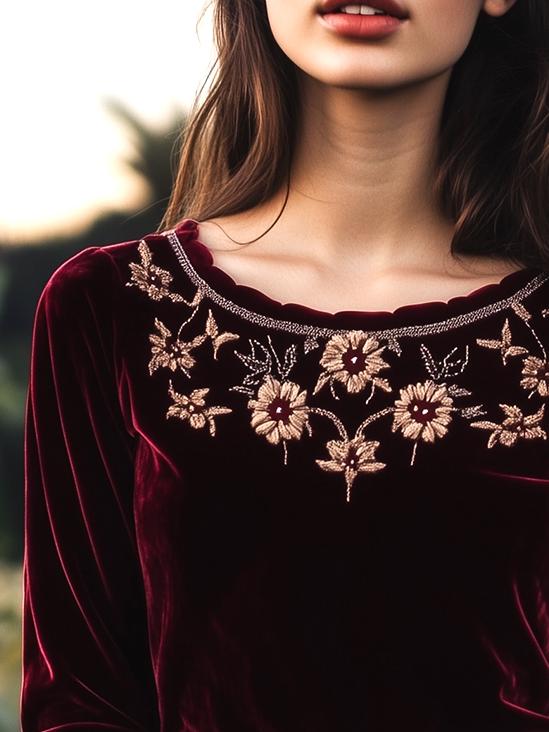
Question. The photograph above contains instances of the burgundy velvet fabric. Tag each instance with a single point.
(244, 516)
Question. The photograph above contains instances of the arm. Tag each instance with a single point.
(86, 662)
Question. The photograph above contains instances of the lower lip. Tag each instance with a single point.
(361, 26)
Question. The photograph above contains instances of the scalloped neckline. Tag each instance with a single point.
(250, 300)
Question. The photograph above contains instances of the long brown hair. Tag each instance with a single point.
(492, 174)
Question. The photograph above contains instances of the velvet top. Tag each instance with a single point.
(248, 516)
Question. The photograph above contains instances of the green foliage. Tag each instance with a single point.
(25, 269)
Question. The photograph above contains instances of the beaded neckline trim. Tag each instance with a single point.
(320, 331)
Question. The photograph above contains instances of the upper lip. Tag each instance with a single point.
(389, 6)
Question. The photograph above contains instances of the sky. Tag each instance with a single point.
(60, 149)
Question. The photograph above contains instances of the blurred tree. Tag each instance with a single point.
(24, 270)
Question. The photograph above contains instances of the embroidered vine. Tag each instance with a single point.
(281, 410)
(169, 351)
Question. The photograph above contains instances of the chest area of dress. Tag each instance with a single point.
(211, 388)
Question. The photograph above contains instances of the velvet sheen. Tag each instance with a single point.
(236, 521)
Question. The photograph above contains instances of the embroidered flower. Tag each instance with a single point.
(170, 351)
(351, 457)
(192, 408)
(354, 359)
(279, 408)
(536, 375)
(514, 426)
(423, 411)
(279, 412)
(504, 345)
(154, 280)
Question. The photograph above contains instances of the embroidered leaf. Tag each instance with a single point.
(213, 332)
(475, 411)
(532, 419)
(213, 411)
(536, 432)
(253, 363)
(164, 330)
(322, 379)
(198, 295)
(243, 390)
(275, 355)
(430, 363)
(144, 253)
(381, 383)
(289, 360)
(511, 410)
(456, 391)
(223, 338)
(515, 351)
(211, 325)
(504, 344)
(485, 425)
(258, 369)
(453, 368)
(488, 343)
(394, 345)
(445, 369)
(521, 311)
(310, 343)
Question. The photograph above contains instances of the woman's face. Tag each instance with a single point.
(429, 42)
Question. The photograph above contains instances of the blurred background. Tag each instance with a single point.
(94, 97)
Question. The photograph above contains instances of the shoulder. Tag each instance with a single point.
(81, 308)
(81, 269)
(95, 272)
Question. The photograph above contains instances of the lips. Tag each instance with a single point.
(391, 7)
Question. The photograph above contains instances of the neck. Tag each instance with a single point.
(362, 175)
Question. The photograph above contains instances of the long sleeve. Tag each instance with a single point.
(86, 658)
(244, 515)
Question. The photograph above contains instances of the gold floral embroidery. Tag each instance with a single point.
(154, 280)
(521, 311)
(536, 375)
(447, 367)
(310, 343)
(279, 412)
(217, 338)
(514, 426)
(504, 344)
(423, 412)
(168, 350)
(171, 352)
(192, 408)
(354, 359)
(279, 406)
(351, 457)
(261, 364)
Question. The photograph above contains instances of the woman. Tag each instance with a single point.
(286, 457)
